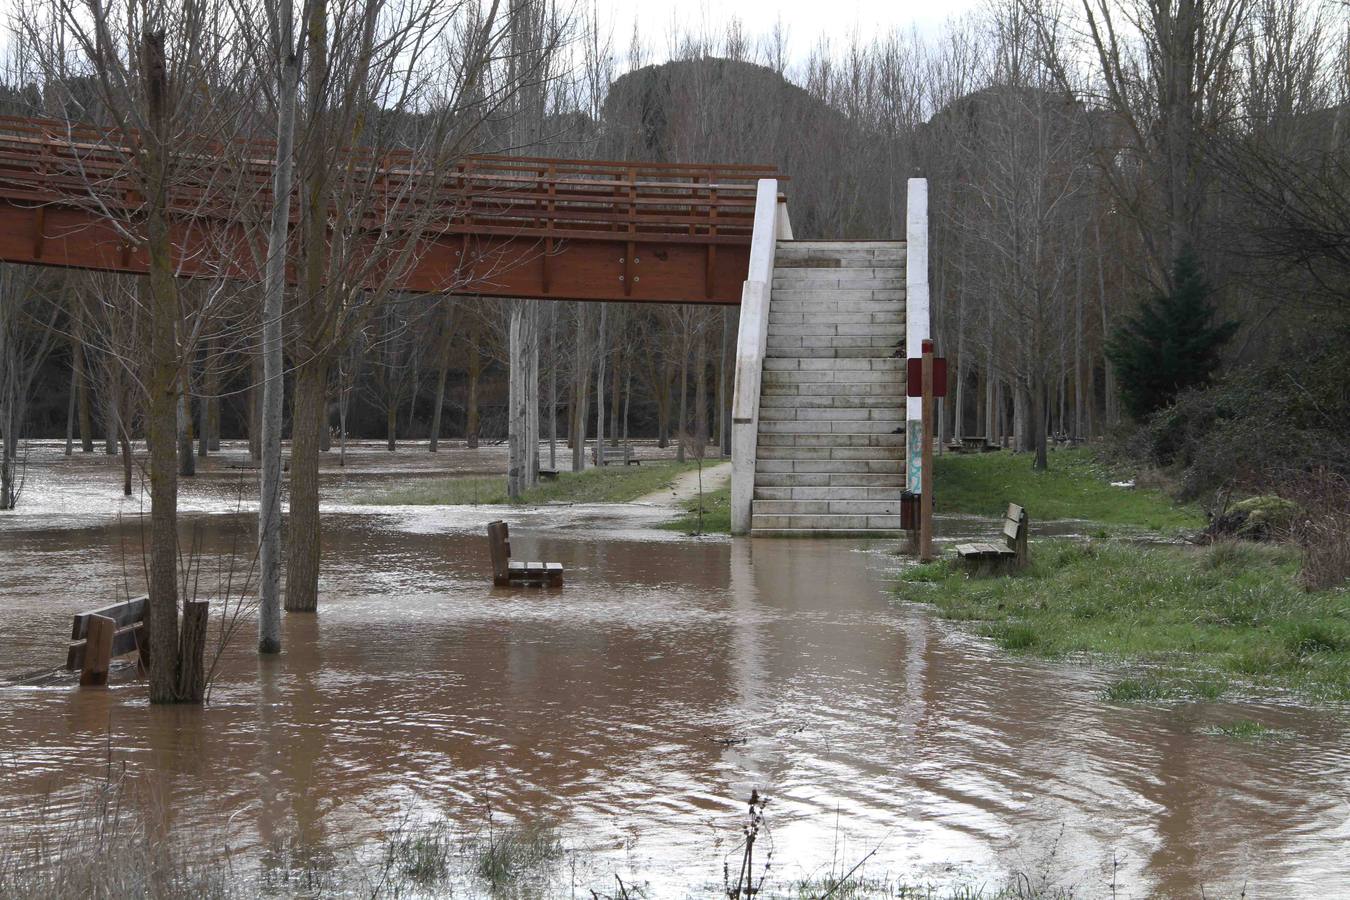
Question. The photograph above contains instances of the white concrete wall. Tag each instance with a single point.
(771, 224)
(916, 313)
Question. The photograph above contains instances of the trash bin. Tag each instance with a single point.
(909, 510)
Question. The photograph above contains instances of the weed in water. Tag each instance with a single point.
(1248, 730)
(421, 856)
(504, 856)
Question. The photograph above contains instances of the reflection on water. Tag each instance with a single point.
(639, 706)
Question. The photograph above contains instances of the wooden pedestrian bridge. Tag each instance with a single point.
(819, 409)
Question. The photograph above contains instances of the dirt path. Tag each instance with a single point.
(685, 486)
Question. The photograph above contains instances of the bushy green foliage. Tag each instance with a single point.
(1259, 427)
(1172, 344)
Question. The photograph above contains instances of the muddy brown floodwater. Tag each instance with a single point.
(639, 707)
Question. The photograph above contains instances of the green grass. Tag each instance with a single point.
(1076, 486)
(1196, 617)
(716, 513)
(1248, 730)
(612, 484)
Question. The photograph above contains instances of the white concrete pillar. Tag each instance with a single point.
(771, 225)
(916, 316)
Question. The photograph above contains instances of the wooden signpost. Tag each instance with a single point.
(927, 379)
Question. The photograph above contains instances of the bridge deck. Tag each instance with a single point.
(492, 225)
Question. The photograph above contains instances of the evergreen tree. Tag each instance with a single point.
(1171, 344)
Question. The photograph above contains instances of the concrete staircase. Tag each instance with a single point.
(829, 459)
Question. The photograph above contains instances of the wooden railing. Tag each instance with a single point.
(665, 219)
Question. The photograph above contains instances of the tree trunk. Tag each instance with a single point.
(700, 436)
(266, 411)
(110, 418)
(163, 388)
(1039, 398)
(475, 368)
(187, 463)
(71, 403)
(681, 431)
(256, 398)
(600, 354)
(662, 391)
(434, 438)
(726, 365)
(523, 446)
(390, 425)
(307, 424)
(553, 387)
(616, 395)
(581, 372)
(85, 405)
(204, 407)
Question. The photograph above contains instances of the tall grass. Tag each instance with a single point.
(1234, 611)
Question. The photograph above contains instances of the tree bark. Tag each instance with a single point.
(86, 412)
(267, 410)
(187, 463)
(307, 424)
(434, 438)
(475, 368)
(164, 382)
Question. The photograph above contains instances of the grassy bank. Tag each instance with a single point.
(716, 513)
(613, 484)
(1076, 486)
(1196, 617)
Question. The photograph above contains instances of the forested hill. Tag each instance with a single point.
(844, 181)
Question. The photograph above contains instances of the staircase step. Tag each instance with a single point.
(831, 414)
(894, 381)
(879, 344)
(853, 453)
(840, 250)
(837, 492)
(840, 441)
(892, 314)
(826, 507)
(821, 352)
(832, 401)
(827, 326)
(829, 479)
(872, 300)
(824, 522)
(835, 365)
(799, 387)
(829, 467)
(882, 426)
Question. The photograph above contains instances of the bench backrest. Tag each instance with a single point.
(1015, 524)
(623, 452)
(128, 612)
(499, 547)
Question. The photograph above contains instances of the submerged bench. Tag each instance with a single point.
(609, 456)
(99, 635)
(508, 572)
(992, 558)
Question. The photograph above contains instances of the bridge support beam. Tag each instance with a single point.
(771, 225)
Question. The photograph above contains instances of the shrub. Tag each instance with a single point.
(1322, 529)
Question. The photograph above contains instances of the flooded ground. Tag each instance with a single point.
(639, 707)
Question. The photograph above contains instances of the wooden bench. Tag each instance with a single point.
(508, 572)
(609, 456)
(99, 635)
(548, 474)
(992, 558)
